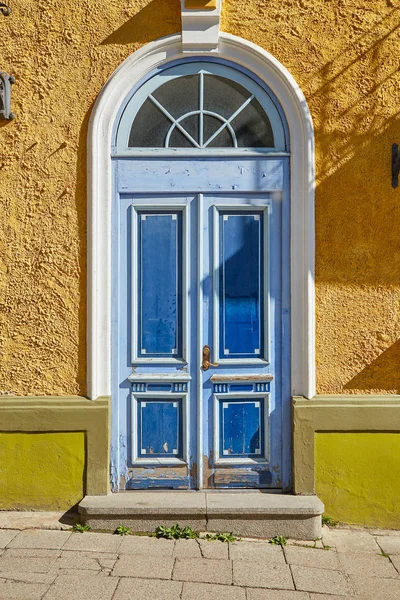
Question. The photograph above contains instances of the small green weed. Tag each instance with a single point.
(327, 547)
(278, 540)
(326, 520)
(222, 537)
(385, 554)
(78, 528)
(122, 530)
(176, 532)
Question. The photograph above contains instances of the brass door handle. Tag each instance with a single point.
(206, 364)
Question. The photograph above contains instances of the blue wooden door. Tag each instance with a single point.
(201, 302)
(241, 313)
(203, 326)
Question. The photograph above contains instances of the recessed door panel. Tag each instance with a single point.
(160, 284)
(241, 285)
(159, 428)
(241, 428)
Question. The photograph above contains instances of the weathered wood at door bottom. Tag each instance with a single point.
(154, 477)
(242, 478)
(176, 478)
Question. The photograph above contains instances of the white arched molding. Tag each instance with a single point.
(291, 98)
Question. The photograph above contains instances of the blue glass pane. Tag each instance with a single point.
(241, 423)
(241, 285)
(160, 285)
(159, 428)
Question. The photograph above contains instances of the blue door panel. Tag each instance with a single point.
(241, 285)
(241, 430)
(160, 277)
(159, 426)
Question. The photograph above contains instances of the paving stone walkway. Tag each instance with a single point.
(61, 565)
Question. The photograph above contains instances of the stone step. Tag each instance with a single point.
(245, 513)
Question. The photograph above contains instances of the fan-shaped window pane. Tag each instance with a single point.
(150, 127)
(203, 109)
(178, 140)
(179, 95)
(252, 129)
(223, 96)
(191, 126)
(211, 124)
(223, 140)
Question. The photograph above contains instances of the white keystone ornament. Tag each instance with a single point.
(200, 25)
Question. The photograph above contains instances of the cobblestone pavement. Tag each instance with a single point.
(61, 565)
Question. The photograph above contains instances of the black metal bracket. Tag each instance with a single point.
(395, 165)
(4, 9)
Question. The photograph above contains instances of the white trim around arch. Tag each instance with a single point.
(293, 103)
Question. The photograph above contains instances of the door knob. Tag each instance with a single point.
(206, 364)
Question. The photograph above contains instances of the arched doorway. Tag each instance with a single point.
(202, 180)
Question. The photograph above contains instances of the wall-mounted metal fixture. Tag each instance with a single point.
(4, 9)
(395, 165)
(6, 81)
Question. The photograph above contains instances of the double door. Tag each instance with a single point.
(203, 340)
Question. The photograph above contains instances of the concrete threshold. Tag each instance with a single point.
(247, 514)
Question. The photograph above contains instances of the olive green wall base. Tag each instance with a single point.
(42, 471)
(53, 451)
(357, 477)
(347, 450)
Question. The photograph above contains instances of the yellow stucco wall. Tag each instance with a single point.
(357, 477)
(41, 471)
(343, 54)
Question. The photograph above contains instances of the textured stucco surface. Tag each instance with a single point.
(41, 471)
(358, 477)
(344, 55)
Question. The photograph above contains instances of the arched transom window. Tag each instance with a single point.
(201, 106)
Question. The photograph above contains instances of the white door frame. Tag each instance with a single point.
(294, 105)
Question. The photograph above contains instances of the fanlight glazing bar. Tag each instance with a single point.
(205, 112)
(201, 118)
(176, 123)
(231, 118)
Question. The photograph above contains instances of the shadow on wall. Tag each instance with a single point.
(155, 20)
(355, 102)
(357, 210)
(382, 373)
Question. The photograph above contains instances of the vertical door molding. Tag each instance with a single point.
(104, 114)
